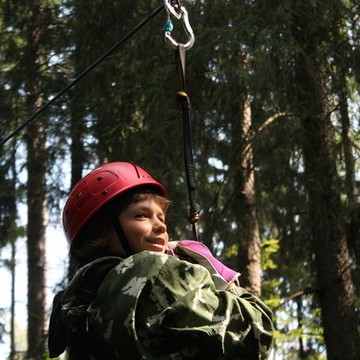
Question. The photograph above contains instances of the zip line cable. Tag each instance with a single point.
(175, 9)
(131, 33)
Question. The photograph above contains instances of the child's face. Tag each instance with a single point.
(143, 223)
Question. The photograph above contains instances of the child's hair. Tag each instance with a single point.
(93, 239)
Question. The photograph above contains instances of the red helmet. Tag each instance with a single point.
(98, 187)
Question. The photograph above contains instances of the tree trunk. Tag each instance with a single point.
(351, 189)
(246, 204)
(36, 190)
(12, 306)
(332, 258)
(77, 133)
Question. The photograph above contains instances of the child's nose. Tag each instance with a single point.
(159, 226)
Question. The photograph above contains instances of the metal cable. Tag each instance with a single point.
(85, 72)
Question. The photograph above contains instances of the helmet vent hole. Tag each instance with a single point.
(99, 178)
(136, 169)
(104, 192)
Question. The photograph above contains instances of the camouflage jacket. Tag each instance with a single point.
(155, 306)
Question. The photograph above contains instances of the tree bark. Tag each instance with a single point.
(332, 258)
(246, 203)
(36, 189)
(351, 189)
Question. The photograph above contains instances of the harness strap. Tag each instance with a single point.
(180, 53)
(184, 101)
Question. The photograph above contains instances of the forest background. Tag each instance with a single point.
(274, 87)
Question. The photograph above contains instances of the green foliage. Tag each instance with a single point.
(268, 248)
(231, 251)
(292, 333)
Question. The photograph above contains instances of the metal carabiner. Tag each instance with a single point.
(174, 10)
(180, 13)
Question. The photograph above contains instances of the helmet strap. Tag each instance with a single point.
(121, 235)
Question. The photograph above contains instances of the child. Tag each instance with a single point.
(133, 296)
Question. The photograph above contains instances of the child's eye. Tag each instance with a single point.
(141, 215)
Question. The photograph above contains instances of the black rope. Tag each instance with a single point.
(86, 71)
(184, 101)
